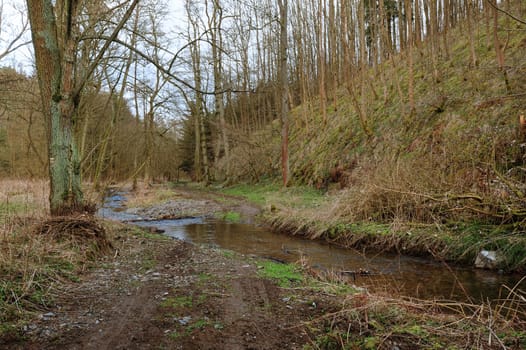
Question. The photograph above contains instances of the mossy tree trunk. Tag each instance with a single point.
(55, 50)
(55, 33)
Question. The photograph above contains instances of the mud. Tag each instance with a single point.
(157, 293)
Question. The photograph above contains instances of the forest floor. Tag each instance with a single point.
(154, 292)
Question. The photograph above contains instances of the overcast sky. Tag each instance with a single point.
(13, 16)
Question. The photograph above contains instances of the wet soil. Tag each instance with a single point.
(154, 292)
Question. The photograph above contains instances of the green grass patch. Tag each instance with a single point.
(148, 262)
(228, 254)
(274, 195)
(255, 193)
(230, 216)
(199, 324)
(140, 232)
(285, 274)
(175, 335)
(203, 277)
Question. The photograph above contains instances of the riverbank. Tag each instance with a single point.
(144, 290)
(317, 215)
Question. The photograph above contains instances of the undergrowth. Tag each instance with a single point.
(37, 253)
(382, 321)
(374, 322)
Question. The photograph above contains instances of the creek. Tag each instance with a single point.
(393, 274)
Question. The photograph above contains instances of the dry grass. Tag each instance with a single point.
(145, 196)
(37, 252)
(23, 198)
(368, 321)
(385, 320)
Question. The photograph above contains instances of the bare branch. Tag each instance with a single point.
(166, 71)
(490, 2)
(14, 44)
(98, 58)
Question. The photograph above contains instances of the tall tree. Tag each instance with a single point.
(201, 166)
(55, 31)
(215, 22)
(283, 47)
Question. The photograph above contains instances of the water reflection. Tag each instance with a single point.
(407, 275)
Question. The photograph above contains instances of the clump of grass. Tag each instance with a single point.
(30, 264)
(377, 322)
(36, 253)
(230, 216)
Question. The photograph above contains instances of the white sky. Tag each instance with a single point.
(13, 15)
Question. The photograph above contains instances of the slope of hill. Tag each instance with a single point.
(455, 162)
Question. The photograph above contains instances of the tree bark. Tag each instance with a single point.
(283, 47)
(55, 59)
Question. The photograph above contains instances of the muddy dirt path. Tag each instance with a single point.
(160, 293)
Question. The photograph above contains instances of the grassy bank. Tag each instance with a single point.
(317, 215)
(359, 320)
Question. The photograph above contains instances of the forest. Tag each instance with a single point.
(405, 120)
(415, 108)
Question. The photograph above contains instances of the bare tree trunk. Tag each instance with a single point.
(217, 48)
(411, 78)
(321, 61)
(283, 47)
(472, 13)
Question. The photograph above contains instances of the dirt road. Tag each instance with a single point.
(159, 293)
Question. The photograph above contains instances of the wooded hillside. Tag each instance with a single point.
(412, 107)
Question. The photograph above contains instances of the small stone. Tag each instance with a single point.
(185, 320)
(487, 259)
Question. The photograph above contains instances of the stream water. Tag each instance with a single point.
(408, 276)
